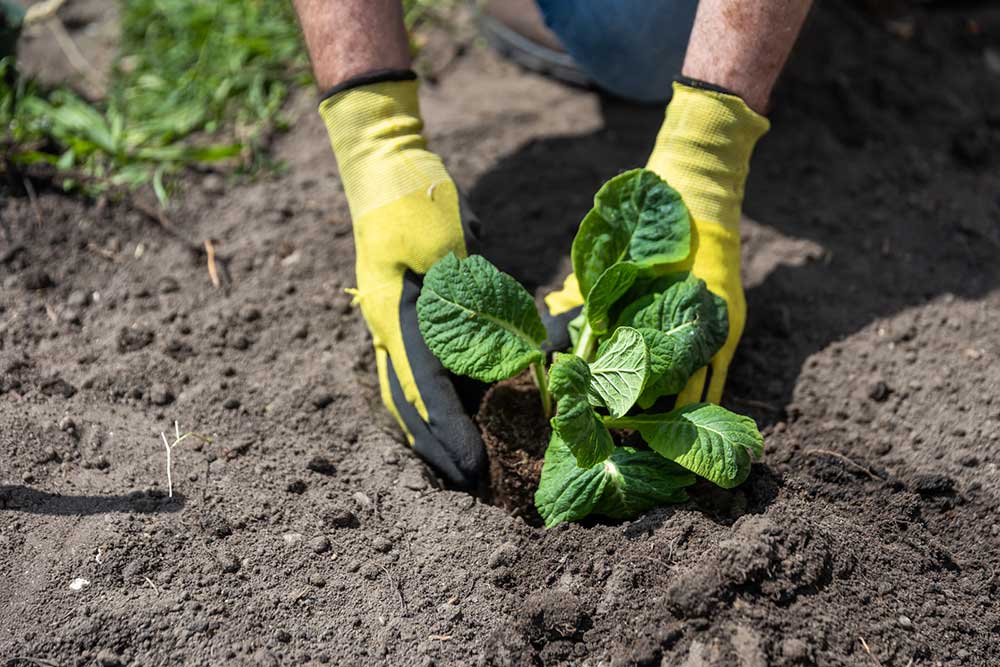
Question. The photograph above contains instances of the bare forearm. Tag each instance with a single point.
(742, 46)
(348, 38)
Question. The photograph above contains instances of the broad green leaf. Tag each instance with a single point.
(619, 372)
(706, 439)
(640, 480)
(636, 216)
(628, 483)
(610, 287)
(567, 492)
(575, 422)
(683, 327)
(666, 377)
(479, 321)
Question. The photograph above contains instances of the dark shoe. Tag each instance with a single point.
(516, 29)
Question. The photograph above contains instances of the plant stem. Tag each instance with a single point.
(630, 423)
(538, 370)
(586, 343)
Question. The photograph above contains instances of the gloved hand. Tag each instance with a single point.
(703, 150)
(406, 214)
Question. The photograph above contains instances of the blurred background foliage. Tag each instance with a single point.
(193, 82)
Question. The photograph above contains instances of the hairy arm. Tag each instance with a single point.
(742, 46)
(348, 38)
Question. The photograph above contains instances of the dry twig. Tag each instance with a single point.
(871, 655)
(33, 198)
(178, 439)
(76, 58)
(42, 11)
(395, 585)
(851, 462)
(11, 662)
(213, 270)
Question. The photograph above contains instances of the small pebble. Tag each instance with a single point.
(67, 424)
(229, 563)
(167, 285)
(879, 391)
(108, 658)
(264, 658)
(320, 545)
(250, 313)
(339, 517)
(505, 554)
(241, 343)
(231, 403)
(413, 480)
(78, 299)
(213, 184)
(317, 581)
(381, 544)
(79, 584)
(905, 622)
(322, 465)
(160, 394)
(322, 400)
(197, 626)
(37, 280)
(795, 650)
(969, 460)
(933, 484)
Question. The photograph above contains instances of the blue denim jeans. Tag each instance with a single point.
(632, 48)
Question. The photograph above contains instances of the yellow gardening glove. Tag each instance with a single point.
(703, 151)
(406, 214)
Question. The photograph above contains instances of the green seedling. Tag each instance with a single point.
(643, 331)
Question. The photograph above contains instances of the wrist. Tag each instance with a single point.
(703, 150)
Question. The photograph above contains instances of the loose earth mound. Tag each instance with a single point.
(306, 533)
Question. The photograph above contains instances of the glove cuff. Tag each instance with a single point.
(368, 78)
(375, 130)
(703, 150)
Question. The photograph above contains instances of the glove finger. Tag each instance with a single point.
(440, 454)
(693, 390)
(566, 298)
(385, 389)
(717, 381)
(447, 439)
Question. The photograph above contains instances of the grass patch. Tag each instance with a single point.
(194, 82)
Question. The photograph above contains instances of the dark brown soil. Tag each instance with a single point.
(516, 434)
(307, 533)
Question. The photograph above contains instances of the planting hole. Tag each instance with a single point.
(516, 434)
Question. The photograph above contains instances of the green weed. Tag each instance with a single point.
(194, 82)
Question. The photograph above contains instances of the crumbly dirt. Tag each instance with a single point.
(307, 533)
(516, 434)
